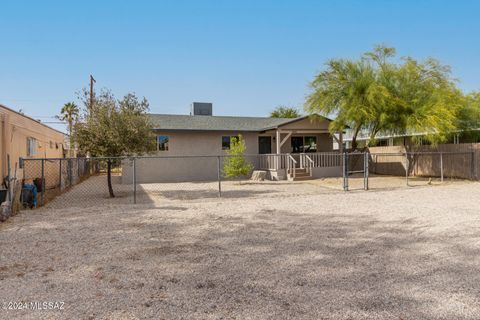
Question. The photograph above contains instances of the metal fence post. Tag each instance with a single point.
(70, 172)
(365, 171)
(407, 167)
(473, 165)
(441, 166)
(134, 181)
(43, 181)
(60, 176)
(345, 171)
(474, 159)
(219, 177)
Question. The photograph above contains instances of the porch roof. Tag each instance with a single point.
(166, 122)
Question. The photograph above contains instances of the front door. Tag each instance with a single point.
(297, 144)
(264, 145)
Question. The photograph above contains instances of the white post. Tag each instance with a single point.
(278, 141)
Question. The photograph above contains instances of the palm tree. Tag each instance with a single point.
(70, 113)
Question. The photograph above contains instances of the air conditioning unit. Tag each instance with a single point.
(201, 109)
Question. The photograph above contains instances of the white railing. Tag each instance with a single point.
(325, 159)
(291, 165)
(309, 164)
(305, 161)
(272, 161)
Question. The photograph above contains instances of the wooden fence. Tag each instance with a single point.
(453, 160)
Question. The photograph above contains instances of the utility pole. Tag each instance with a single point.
(92, 81)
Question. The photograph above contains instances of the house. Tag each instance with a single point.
(272, 144)
(25, 137)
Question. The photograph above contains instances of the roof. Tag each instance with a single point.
(217, 123)
(30, 118)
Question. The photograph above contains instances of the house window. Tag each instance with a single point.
(51, 144)
(226, 141)
(162, 143)
(382, 143)
(31, 146)
(310, 144)
(304, 144)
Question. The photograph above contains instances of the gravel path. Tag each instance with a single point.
(398, 254)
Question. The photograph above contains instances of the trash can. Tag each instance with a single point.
(29, 196)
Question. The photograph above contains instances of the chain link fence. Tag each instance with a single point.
(425, 168)
(156, 179)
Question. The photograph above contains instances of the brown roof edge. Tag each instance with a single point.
(297, 119)
(30, 118)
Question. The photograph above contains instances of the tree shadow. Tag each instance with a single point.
(340, 267)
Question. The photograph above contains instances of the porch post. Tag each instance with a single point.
(277, 140)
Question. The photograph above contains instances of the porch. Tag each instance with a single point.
(301, 166)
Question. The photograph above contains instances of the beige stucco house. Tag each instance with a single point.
(25, 137)
(270, 143)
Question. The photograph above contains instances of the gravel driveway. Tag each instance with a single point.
(398, 254)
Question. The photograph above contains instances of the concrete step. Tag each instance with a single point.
(300, 178)
(298, 170)
(301, 174)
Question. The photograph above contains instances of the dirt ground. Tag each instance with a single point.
(94, 192)
(263, 251)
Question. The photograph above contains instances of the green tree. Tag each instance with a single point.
(376, 94)
(70, 113)
(469, 117)
(115, 128)
(235, 164)
(347, 89)
(285, 112)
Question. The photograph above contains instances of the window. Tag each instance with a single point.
(226, 141)
(310, 144)
(31, 146)
(51, 144)
(162, 143)
(304, 144)
(382, 143)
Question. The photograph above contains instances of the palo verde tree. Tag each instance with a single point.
(115, 128)
(70, 113)
(345, 89)
(235, 164)
(379, 94)
(285, 112)
(469, 117)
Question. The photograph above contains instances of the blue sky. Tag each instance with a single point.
(246, 57)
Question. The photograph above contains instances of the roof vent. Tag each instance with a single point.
(201, 109)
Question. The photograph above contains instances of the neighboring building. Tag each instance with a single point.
(202, 134)
(25, 137)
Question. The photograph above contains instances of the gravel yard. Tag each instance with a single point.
(410, 253)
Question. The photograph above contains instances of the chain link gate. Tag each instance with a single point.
(353, 164)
